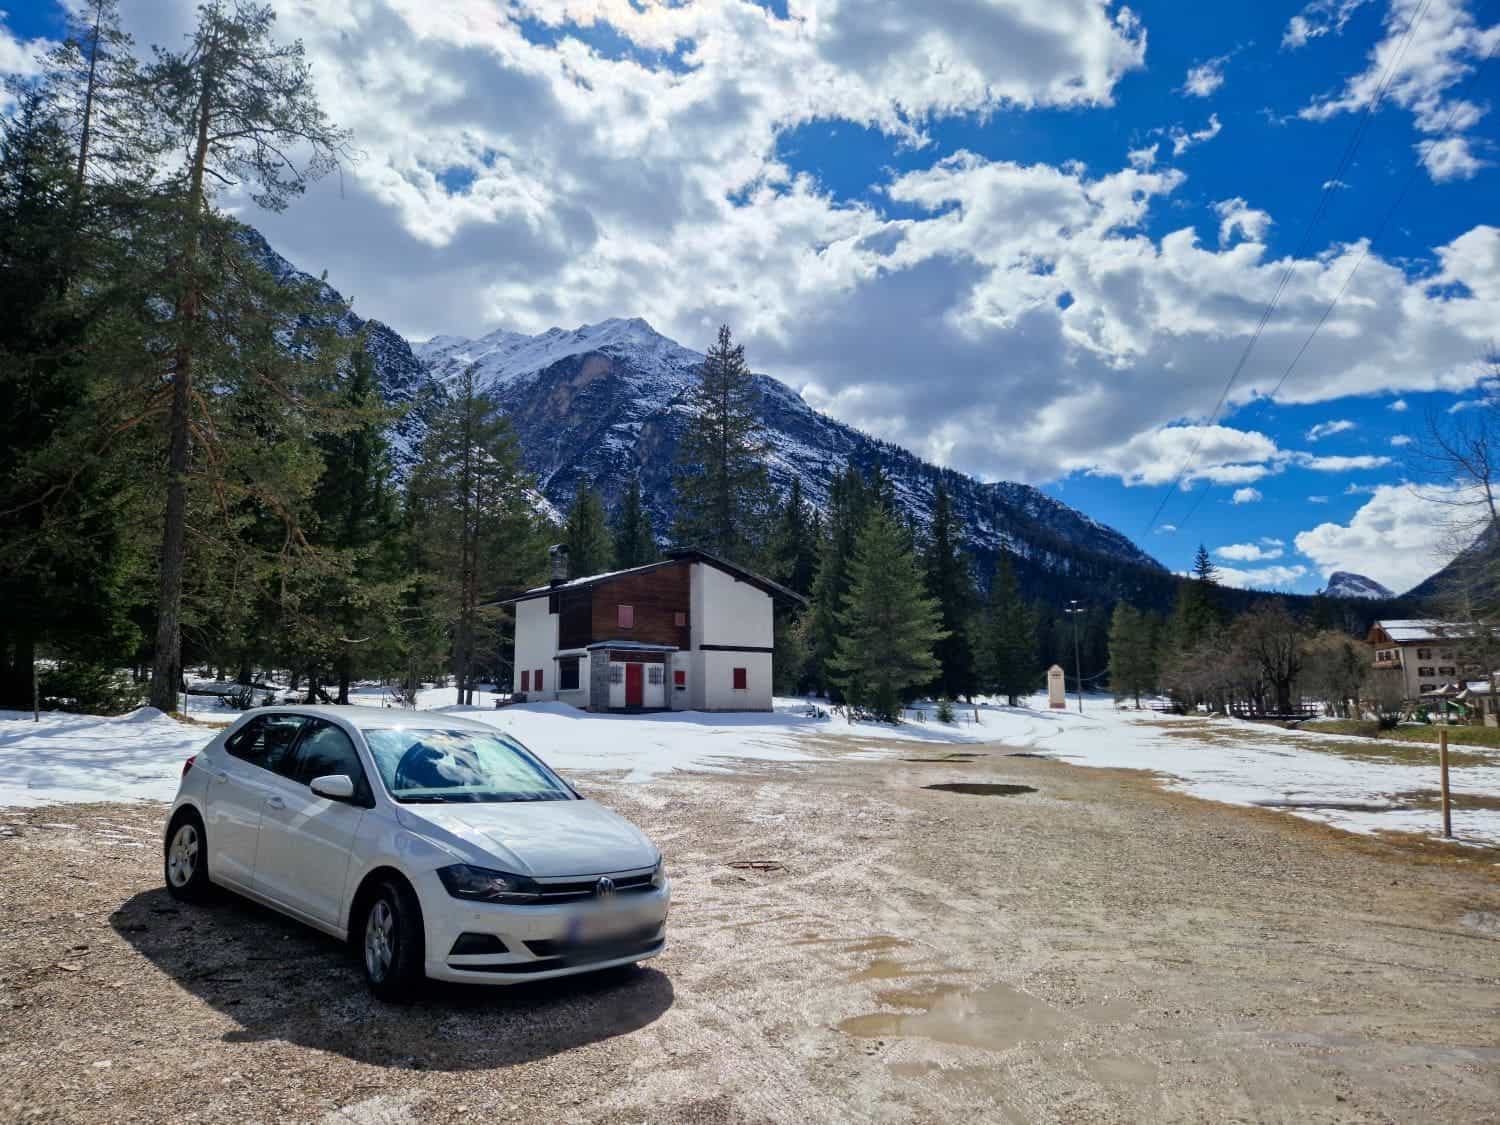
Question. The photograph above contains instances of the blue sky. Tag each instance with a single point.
(1029, 240)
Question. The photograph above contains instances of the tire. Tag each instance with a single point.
(185, 859)
(391, 943)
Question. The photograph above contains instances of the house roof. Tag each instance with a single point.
(632, 646)
(675, 556)
(1416, 630)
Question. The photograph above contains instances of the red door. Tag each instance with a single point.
(634, 681)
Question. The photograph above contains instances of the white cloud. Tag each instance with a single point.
(1340, 464)
(1143, 159)
(1401, 440)
(1220, 454)
(1235, 215)
(1319, 18)
(1429, 47)
(17, 57)
(1182, 139)
(1247, 496)
(1262, 578)
(1329, 428)
(1317, 499)
(1399, 406)
(1203, 79)
(1398, 537)
(1165, 528)
(1334, 185)
(1250, 552)
(1450, 159)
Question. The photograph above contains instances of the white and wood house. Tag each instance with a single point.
(693, 632)
(1422, 655)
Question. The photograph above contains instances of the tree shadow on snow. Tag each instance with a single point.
(280, 980)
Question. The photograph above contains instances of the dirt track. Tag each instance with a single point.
(1094, 951)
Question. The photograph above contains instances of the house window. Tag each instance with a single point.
(1427, 687)
(538, 679)
(680, 619)
(741, 680)
(1447, 671)
(567, 674)
(625, 616)
(679, 679)
(526, 680)
(1426, 672)
(1424, 654)
(617, 673)
(1446, 654)
(654, 675)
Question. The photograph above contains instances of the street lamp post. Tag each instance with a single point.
(1077, 663)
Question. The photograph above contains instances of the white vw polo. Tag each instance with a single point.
(437, 845)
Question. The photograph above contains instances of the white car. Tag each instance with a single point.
(439, 846)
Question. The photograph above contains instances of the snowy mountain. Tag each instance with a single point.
(611, 400)
(1343, 584)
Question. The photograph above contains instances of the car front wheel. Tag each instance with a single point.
(392, 942)
(185, 863)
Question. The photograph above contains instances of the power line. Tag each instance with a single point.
(1364, 253)
(1329, 187)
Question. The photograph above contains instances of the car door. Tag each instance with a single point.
(237, 791)
(302, 859)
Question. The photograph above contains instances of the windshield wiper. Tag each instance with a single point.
(426, 800)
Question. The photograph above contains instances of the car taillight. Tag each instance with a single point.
(187, 765)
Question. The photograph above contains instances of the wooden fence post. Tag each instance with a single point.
(1443, 766)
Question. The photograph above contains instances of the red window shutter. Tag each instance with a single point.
(741, 679)
(679, 677)
(538, 679)
(626, 616)
(526, 681)
(681, 619)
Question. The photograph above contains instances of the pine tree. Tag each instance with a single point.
(238, 104)
(635, 541)
(950, 583)
(793, 545)
(849, 503)
(1204, 569)
(721, 483)
(1008, 646)
(1131, 658)
(473, 518)
(591, 550)
(889, 625)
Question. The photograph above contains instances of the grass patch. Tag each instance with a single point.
(1399, 751)
(1368, 728)
(1461, 801)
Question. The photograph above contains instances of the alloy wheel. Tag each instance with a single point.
(380, 930)
(182, 855)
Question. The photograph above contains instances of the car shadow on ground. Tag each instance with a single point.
(281, 981)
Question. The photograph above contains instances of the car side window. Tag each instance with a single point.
(325, 749)
(267, 741)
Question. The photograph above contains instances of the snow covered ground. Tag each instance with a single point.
(1340, 780)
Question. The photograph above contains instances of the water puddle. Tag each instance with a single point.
(883, 968)
(959, 757)
(995, 1018)
(982, 789)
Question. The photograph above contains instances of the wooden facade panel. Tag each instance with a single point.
(574, 619)
(657, 596)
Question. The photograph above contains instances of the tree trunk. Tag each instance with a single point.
(344, 678)
(16, 667)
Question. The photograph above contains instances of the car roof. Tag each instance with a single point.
(379, 718)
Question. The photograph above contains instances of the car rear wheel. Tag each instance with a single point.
(391, 942)
(185, 862)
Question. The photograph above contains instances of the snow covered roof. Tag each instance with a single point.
(1414, 630)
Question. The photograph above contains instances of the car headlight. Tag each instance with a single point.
(484, 885)
(659, 875)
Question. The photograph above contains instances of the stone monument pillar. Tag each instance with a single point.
(1057, 688)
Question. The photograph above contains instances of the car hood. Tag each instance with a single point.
(539, 838)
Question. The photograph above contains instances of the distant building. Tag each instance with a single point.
(1422, 655)
(693, 632)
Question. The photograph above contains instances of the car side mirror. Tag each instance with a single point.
(334, 786)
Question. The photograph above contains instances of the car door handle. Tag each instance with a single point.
(276, 802)
(221, 776)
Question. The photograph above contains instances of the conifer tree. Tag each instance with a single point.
(591, 550)
(1196, 613)
(950, 583)
(475, 520)
(635, 541)
(793, 546)
(849, 503)
(721, 483)
(888, 623)
(1008, 644)
(1132, 665)
(1204, 569)
(242, 109)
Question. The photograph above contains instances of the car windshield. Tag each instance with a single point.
(434, 766)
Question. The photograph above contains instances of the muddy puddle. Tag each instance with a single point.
(995, 1018)
(949, 758)
(982, 789)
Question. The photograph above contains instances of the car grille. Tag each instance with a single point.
(571, 890)
(573, 953)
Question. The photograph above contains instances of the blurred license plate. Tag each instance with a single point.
(602, 926)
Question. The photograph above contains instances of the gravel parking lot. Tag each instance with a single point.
(845, 944)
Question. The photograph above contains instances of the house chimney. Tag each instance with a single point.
(558, 553)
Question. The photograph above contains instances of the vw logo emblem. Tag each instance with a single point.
(605, 888)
